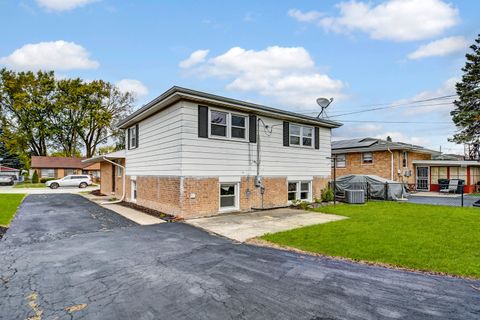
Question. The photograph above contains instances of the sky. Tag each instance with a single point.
(383, 55)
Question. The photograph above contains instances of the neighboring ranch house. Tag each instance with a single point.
(191, 153)
(384, 158)
(59, 167)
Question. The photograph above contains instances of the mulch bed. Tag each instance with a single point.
(3, 230)
(97, 193)
(151, 212)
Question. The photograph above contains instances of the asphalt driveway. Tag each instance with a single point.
(84, 261)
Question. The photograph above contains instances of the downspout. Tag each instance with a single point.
(391, 162)
(123, 178)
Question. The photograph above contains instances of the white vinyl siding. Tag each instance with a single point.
(217, 157)
(170, 146)
(159, 153)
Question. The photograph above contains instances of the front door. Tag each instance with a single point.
(422, 178)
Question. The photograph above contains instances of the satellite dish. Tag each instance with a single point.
(323, 103)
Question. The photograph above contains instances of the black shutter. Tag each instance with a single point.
(317, 138)
(136, 136)
(128, 138)
(286, 133)
(202, 122)
(252, 128)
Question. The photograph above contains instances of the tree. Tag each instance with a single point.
(466, 114)
(35, 177)
(9, 159)
(105, 106)
(69, 111)
(25, 106)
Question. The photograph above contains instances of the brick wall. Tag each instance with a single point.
(200, 197)
(106, 173)
(189, 197)
(381, 165)
(159, 193)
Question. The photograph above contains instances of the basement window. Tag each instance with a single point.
(228, 196)
(299, 190)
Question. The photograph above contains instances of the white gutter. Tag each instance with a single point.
(123, 178)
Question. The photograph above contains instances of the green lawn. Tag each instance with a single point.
(22, 185)
(423, 237)
(8, 206)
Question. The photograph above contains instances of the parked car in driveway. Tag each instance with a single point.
(81, 181)
(6, 180)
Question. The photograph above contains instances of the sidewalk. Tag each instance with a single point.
(134, 215)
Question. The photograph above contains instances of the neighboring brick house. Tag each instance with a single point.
(384, 158)
(59, 167)
(195, 154)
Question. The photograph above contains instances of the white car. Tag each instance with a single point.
(7, 180)
(74, 180)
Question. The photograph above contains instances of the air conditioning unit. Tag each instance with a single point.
(407, 173)
(355, 196)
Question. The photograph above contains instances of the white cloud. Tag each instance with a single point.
(63, 5)
(287, 74)
(195, 58)
(440, 47)
(55, 55)
(398, 20)
(308, 16)
(135, 87)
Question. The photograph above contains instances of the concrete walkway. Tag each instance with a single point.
(136, 216)
(243, 226)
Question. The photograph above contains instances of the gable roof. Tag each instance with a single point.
(176, 93)
(57, 162)
(374, 144)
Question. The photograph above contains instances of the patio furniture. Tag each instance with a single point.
(452, 186)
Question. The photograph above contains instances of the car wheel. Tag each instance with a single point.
(83, 185)
(54, 185)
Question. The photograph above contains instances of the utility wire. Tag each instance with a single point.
(382, 106)
(381, 121)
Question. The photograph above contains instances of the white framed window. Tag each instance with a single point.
(132, 137)
(47, 173)
(367, 157)
(133, 190)
(301, 135)
(300, 190)
(69, 171)
(229, 196)
(119, 171)
(227, 125)
(341, 160)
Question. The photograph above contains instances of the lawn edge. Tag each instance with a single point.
(16, 209)
(257, 241)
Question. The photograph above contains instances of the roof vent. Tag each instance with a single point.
(389, 139)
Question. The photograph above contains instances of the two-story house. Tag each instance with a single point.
(191, 153)
(383, 158)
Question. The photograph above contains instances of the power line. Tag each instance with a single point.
(382, 106)
(394, 106)
(381, 121)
